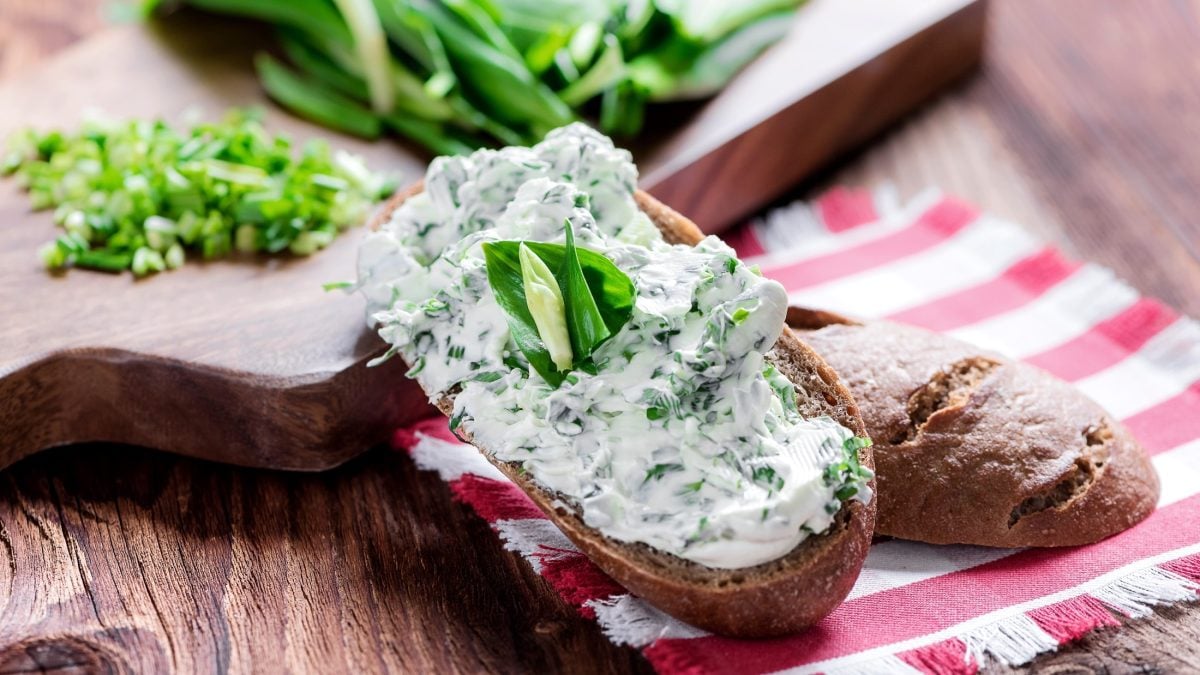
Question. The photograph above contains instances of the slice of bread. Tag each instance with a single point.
(774, 598)
(973, 448)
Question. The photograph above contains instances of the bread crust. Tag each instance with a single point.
(775, 598)
(1006, 456)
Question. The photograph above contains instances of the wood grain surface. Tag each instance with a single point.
(1081, 127)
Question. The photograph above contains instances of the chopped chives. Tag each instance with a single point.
(136, 195)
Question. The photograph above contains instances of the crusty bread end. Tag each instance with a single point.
(974, 448)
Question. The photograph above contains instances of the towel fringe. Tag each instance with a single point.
(1135, 595)
(1011, 641)
(629, 620)
(1017, 640)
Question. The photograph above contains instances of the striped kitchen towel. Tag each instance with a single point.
(940, 264)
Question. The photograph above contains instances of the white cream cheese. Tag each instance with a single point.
(684, 439)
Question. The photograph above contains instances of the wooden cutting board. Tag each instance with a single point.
(247, 360)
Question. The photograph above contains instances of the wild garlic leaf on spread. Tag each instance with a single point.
(507, 282)
(598, 299)
(587, 326)
(546, 306)
(611, 288)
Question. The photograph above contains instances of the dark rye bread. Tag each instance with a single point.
(973, 448)
(775, 598)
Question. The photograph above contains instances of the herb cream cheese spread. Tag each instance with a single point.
(679, 435)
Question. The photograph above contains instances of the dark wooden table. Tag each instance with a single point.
(1082, 126)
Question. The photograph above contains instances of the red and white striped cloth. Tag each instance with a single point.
(940, 264)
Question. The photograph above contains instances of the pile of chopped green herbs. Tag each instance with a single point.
(454, 75)
(137, 195)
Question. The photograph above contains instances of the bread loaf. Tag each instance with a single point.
(974, 448)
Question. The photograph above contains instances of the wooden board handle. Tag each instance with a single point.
(307, 423)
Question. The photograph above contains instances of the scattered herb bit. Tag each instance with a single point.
(766, 476)
(456, 421)
(416, 368)
(659, 470)
(849, 474)
(434, 307)
(332, 285)
(784, 389)
(384, 357)
(136, 195)
(693, 487)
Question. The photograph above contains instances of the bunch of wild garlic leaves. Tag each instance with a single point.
(454, 75)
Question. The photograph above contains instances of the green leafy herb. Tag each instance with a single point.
(597, 300)
(137, 195)
(507, 282)
(309, 100)
(584, 320)
(454, 75)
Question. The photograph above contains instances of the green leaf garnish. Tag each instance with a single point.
(544, 297)
(597, 297)
(507, 282)
(586, 324)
